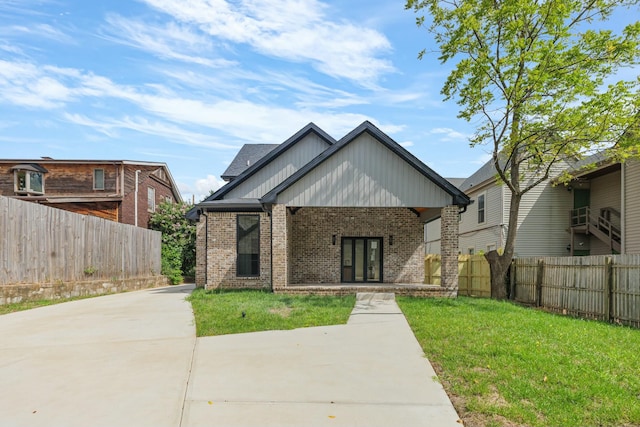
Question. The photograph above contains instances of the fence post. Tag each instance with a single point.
(512, 280)
(608, 288)
(540, 271)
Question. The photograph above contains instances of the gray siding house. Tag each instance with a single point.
(596, 213)
(319, 215)
(543, 228)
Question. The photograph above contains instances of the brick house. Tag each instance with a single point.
(318, 215)
(117, 190)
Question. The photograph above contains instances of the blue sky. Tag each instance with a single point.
(188, 82)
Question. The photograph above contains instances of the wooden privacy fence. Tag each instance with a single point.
(39, 244)
(474, 278)
(598, 287)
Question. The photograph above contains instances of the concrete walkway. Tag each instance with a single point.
(370, 372)
(128, 360)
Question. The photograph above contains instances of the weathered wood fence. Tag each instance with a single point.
(39, 244)
(597, 287)
(473, 274)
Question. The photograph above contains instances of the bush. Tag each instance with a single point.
(178, 240)
(172, 263)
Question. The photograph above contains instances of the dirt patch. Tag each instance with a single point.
(281, 311)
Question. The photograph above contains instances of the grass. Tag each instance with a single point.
(506, 365)
(28, 305)
(221, 312)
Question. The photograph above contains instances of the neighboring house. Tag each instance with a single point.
(606, 207)
(117, 190)
(316, 212)
(542, 222)
(597, 213)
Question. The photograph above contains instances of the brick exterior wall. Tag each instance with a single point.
(304, 253)
(315, 259)
(145, 180)
(281, 247)
(449, 247)
(216, 252)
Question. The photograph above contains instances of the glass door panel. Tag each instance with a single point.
(373, 260)
(359, 261)
(347, 260)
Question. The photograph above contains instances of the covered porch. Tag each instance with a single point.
(343, 250)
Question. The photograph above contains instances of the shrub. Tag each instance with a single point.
(178, 239)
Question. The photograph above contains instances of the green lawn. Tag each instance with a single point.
(27, 305)
(221, 312)
(503, 364)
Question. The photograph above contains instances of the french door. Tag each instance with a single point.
(361, 259)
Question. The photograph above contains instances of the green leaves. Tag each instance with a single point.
(178, 239)
(542, 62)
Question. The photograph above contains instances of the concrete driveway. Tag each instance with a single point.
(133, 360)
(116, 360)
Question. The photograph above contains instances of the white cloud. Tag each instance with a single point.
(484, 158)
(200, 189)
(235, 120)
(449, 134)
(297, 31)
(170, 41)
(111, 126)
(406, 144)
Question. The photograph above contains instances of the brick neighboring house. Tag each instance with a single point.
(318, 215)
(102, 188)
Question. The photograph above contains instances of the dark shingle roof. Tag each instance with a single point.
(456, 181)
(247, 156)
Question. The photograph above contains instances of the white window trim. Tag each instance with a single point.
(28, 189)
(484, 208)
(95, 187)
(151, 199)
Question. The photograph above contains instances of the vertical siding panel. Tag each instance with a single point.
(632, 207)
(356, 188)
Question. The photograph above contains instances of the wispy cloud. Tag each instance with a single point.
(448, 134)
(111, 127)
(298, 31)
(168, 41)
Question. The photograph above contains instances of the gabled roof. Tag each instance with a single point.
(247, 156)
(458, 196)
(262, 162)
(485, 173)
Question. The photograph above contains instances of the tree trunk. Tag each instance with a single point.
(499, 265)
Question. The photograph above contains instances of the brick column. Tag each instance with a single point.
(449, 247)
(201, 256)
(280, 247)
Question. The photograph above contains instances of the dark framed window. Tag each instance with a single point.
(248, 238)
(481, 209)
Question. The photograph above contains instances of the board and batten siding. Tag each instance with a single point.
(361, 174)
(604, 192)
(632, 207)
(280, 168)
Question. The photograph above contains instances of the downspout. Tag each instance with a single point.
(135, 202)
(623, 225)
